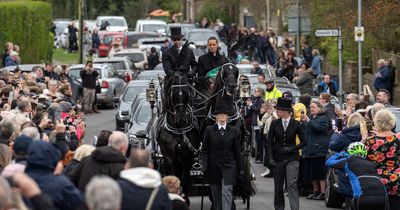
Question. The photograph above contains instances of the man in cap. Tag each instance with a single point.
(221, 158)
(283, 153)
(271, 91)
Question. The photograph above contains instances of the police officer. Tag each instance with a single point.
(207, 62)
(283, 153)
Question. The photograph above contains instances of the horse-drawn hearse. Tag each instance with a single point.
(176, 130)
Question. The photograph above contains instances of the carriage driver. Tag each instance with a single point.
(220, 157)
(207, 62)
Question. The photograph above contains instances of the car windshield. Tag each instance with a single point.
(118, 65)
(147, 76)
(107, 39)
(201, 36)
(132, 91)
(134, 57)
(153, 27)
(115, 22)
(143, 115)
(74, 73)
(133, 39)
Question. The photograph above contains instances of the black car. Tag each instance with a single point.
(132, 90)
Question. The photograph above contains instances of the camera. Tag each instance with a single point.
(244, 88)
(151, 92)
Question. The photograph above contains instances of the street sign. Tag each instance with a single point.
(326, 32)
(293, 25)
(359, 34)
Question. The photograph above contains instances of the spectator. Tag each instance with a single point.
(41, 162)
(141, 185)
(173, 185)
(95, 40)
(20, 151)
(368, 192)
(261, 45)
(204, 23)
(252, 44)
(5, 156)
(89, 76)
(87, 39)
(153, 59)
(66, 94)
(305, 80)
(256, 68)
(7, 50)
(382, 77)
(12, 60)
(307, 52)
(290, 64)
(316, 63)
(166, 44)
(103, 193)
(316, 149)
(80, 153)
(254, 107)
(270, 47)
(102, 139)
(267, 114)
(383, 150)
(108, 160)
(327, 86)
(351, 101)
(332, 112)
(72, 37)
(383, 97)
(271, 91)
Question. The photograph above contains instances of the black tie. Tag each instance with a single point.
(222, 130)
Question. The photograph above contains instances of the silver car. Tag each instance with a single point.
(123, 65)
(111, 85)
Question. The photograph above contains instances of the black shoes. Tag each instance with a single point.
(316, 196)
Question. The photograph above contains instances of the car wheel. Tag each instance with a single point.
(333, 199)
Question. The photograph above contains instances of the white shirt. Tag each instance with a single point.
(179, 49)
(221, 126)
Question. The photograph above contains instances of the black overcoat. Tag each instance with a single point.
(221, 154)
(172, 61)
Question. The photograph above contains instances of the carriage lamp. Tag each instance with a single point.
(244, 88)
(151, 93)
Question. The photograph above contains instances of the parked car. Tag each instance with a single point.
(111, 85)
(132, 90)
(246, 69)
(115, 23)
(396, 112)
(158, 26)
(148, 43)
(150, 74)
(61, 36)
(107, 39)
(136, 56)
(199, 38)
(123, 66)
(132, 37)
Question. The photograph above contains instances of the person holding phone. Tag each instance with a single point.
(89, 76)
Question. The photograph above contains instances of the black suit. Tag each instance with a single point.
(221, 154)
(173, 61)
(208, 62)
(282, 150)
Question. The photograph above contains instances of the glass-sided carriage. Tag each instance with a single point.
(201, 111)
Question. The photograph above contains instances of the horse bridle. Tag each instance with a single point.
(180, 93)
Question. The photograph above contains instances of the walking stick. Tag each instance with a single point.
(202, 192)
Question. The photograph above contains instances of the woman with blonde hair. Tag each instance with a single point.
(384, 150)
(173, 185)
(80, 153)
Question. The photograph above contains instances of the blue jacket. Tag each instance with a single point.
(361, 173)
(340, 141)
(316, 65)
(316, 133)
(41, 161)
(383, 81)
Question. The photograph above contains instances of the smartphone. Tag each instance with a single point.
(11, 96)
(54, 115)
(339, 124)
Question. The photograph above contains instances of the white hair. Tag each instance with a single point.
(103, 193)
(31, 132)
(118, 139)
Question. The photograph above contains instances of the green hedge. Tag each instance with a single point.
(27, 24)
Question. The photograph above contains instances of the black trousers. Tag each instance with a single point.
(370, 203)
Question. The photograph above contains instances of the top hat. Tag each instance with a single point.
(176, 33)
(221, 109)
(284, 104)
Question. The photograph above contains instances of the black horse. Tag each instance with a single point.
(178, 133)
(226, 92)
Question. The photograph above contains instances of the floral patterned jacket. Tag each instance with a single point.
(385, 152)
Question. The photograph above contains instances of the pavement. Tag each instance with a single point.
(263, 200)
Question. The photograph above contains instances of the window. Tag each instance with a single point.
(143, 115)
(74, 73)
(115, 22)
(153, 27)
(118, 65)
(132, 92)
(134, 57)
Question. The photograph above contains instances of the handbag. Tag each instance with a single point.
(151, 199)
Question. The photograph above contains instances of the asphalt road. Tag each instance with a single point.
(263, 200)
